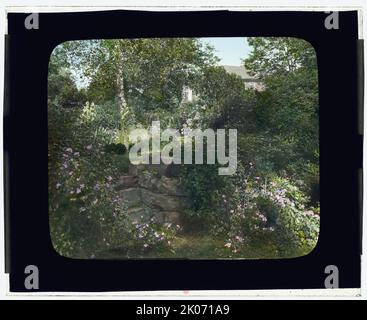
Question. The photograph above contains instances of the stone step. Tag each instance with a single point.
(126, 182)
(131, 197)
(158, 169)
(171, 170)
(164, 202)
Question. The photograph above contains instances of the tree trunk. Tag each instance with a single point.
(120, 85)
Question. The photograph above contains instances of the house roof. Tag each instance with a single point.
(238, 70)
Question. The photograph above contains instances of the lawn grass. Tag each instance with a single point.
(204, 247)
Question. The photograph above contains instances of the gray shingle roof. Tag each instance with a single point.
(238, 70)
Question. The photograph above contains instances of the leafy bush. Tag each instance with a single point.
(134, 239)
(272, 211)
(117, 148)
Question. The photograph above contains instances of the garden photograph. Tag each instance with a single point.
(183, 148)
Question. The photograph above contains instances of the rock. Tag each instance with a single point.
(126, 182)
(155, 169)
(169, 186)
(136, 169)
(158, 169)
(148, 181)
(150, 193)
(163, 202)
(131, 197)
(158, 217)
(137, 215)
(173, 170)
(172, 217)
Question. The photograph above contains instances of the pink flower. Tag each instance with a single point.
(78, 190)
(88, 147)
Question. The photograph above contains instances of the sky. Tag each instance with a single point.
(230, 50)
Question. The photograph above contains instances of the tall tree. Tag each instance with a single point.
(274, 55)
(141, 73)
(287, 110)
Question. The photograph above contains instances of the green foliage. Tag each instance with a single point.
(203, 184)
(279, 55)
(117, 148)
(99, 89)
(274, 211)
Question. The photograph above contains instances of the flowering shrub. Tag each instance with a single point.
(271, 210)
(86, 213)
(80, 205)
(296, 224)
(135, 238)
(86, 216)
